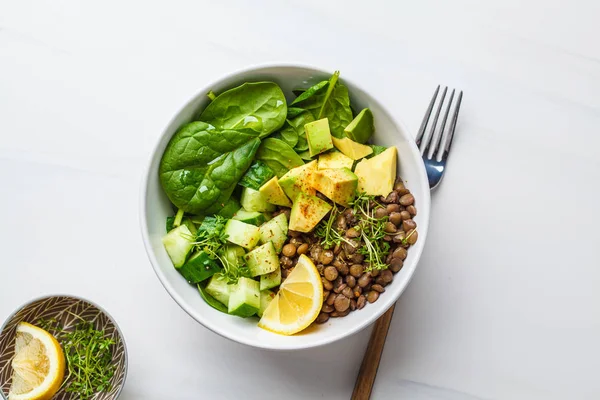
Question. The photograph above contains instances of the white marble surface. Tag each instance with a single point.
(505, 303)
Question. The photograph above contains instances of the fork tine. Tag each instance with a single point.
(450, 136)
(437, 139)
(426, 117)
(431, 134)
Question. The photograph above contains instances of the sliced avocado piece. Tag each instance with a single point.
(266, 296)
(244, 300)
(199, 267)
(307, 211)
(354, 150)
(339, 184)
(262, 260)
(299, 180)
(219, 288)
(334, 159)
(275, 231)
(361, 128)
(242, 234)
(270, 280)
(318, 136)
(376, 176)
(253, 200)
(178, 244)
(274, 194)
(250, 217)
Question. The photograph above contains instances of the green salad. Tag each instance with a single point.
(254, 170)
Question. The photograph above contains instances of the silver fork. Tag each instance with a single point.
(434, 144)
(434, 147)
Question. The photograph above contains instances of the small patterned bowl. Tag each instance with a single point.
(67, 310)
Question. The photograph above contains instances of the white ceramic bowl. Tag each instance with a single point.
(155, 207)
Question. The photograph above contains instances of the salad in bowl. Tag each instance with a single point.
(282, 210)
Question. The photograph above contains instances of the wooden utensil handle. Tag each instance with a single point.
(370, 364)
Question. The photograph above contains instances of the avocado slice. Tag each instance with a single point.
(361, 128)
(338, 184)
(318, 136)
(299, 180)
(334, 159)
(376, 176)
(307, 211)
(350, 148)
(274, 194)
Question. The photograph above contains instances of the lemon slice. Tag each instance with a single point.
(298, 302)
(38, 365)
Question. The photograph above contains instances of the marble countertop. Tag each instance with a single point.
(505, 303)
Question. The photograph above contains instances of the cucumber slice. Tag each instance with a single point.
(219, 288)
(250, 217)
(242, 234)
(230, 207)
(270, 280)
(244, 300)
(191, 226)
(266, 296)
(178, 244)
(262, 260)
(211, 301)
(275, 231)
(199, 268)
(253, 200)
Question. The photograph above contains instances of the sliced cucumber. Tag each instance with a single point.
(270, 280)
(230, 207)
(266, 296)
(242, 234)
(244, 300)
(250, 217)
(253, 200)
(178, 244)
(211, 301)
(191, 226)
(219, 288)
(262, 260)
(275, 231)
(199, 267)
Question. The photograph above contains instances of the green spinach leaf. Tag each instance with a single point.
(259, 106)
(211, 301)
(293, 131)
(376, 150)
(202, 165)
(256, 176)
(305, 155)
(278, 155)
(328, 99)
(294, 112)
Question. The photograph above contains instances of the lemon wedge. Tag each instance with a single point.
(38, 365)
(298, 302)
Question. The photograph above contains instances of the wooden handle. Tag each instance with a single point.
(370, 364)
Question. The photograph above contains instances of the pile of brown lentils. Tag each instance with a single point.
(347, 282)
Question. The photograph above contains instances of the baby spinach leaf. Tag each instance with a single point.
(293, 131)
(328, 99)
(376, 150)
(211, 301)
(259, 106)
(202, 165)
(278, 155)
(294, 112)
(305, 155)
(256, 176)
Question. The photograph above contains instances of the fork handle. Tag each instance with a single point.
(370, 364)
